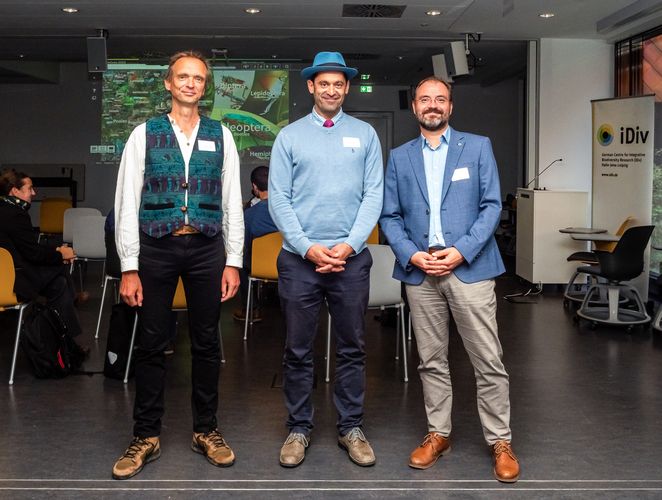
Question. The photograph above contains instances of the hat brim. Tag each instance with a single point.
(308, 73)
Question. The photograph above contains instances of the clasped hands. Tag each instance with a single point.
(439, 263)
(68, 254)
(329, 260)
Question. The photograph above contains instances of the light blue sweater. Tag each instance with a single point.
(326, 184)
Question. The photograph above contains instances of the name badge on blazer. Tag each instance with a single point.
(206, 145)
(460, 174)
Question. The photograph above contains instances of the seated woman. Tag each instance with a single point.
(40, 270)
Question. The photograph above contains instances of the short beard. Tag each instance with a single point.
(433, 125)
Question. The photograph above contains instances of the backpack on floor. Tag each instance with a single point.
(122, 318)
(46, 343)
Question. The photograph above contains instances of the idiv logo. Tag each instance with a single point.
(605, 134)
(628, 135)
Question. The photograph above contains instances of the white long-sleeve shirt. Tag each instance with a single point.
(129, 191)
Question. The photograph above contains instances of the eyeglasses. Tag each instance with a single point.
(440, 99)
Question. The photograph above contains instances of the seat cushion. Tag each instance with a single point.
(588, 257)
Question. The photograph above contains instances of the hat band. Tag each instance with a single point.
(335, 65)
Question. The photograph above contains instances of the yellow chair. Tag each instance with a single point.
(373, 239)
(8, 300)
(178, 304)
(51, 215)
(264, 254)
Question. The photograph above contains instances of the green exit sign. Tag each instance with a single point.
(365, 89)
(365, 76)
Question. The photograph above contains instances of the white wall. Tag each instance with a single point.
(572, 73)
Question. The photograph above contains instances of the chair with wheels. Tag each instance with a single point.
(572, 295)
(178, 304)
(264, 254)
(625, 263)
(385, 292)
(8, 301)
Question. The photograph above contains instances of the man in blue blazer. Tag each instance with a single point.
(442, 205)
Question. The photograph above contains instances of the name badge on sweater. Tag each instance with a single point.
(206, 145)
(351, 142)
(459, 174)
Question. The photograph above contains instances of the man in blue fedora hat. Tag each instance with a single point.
(325, 196)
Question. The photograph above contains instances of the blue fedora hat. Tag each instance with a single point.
(328, 61)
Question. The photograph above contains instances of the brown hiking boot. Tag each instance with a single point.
(141, 451)
(212, 445)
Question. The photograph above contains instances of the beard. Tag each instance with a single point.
(433, 124)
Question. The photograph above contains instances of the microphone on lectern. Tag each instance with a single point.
(536, 177)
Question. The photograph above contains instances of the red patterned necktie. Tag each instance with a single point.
(328, 123)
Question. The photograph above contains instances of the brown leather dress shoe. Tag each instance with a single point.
(426, 455)
(506, 465)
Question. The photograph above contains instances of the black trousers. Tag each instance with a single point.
(199, 260)
(55, 284)
(302, 291)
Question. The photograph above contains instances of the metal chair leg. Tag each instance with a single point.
(18, 338)
(220, 341)
(130, 355)
(404, 346)
(248, 308)
(328, 349)
(103, 298)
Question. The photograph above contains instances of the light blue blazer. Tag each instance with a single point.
(470, 207)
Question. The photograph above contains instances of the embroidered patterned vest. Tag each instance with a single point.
(164, 204)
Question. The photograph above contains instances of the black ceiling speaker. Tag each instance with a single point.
(97, 60)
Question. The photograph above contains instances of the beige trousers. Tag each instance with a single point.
(473, 307)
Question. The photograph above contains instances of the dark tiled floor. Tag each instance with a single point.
(586, 418)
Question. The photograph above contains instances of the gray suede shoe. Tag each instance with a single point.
(293, 450)
(357, 446)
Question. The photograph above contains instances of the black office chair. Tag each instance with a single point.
(575, 293)
(625, 263)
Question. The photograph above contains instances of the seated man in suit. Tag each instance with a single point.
(257, 222)
(40, 270)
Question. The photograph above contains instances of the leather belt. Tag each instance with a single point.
(184, 230)
(432, 250)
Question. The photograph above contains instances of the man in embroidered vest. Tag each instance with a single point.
(325, 196)
(442, 204)
(178, 213)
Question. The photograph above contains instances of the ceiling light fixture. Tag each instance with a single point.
(546, 15)
(70, 10)
(252, 10)
(433, 13)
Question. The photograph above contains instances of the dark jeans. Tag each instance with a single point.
(55, 284)
(199, 260)
(302, 292)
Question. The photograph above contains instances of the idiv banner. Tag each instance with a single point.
(623, 131)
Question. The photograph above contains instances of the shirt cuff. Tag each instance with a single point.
(129, 264)
(234, 261)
